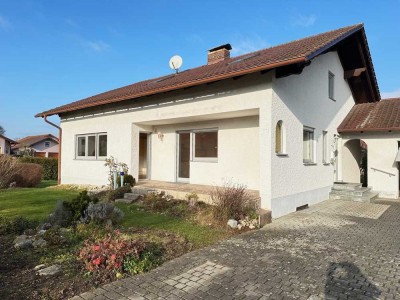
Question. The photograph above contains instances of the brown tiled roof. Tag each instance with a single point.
(378, 116)
(33, 139)
(7, 139)
(297, 51)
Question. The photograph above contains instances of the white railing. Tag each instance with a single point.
(390, 174)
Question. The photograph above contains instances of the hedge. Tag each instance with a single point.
(50, 166)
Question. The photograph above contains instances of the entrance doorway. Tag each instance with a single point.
(183, 159)
(355, 160)
(144, 155)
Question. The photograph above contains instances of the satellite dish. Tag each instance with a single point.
(175, 63)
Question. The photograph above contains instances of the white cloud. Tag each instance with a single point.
(248, 44)
(4, 23)
(393, 94)
(305, 21)
(98, 46)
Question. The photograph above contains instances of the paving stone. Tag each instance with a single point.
(333, 250)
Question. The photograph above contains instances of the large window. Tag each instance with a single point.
(91, 146)
(205, 145)
(331, 85)
(308, 145)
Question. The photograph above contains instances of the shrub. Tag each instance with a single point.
(79, 205)
(66, 213)
(109, 253)
(54, 237)
(62, 214)
(8, 167)
(103, 212)
(130, 180)
(50, 166)
(16, 225)
(231, 201)
(149, 259)
(28, 175)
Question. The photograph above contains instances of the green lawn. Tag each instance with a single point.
(199, 236)
(32, 203)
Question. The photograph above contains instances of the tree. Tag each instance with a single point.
(2, 130)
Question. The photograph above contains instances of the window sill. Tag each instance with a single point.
(309, 164)
(282, 154)
(206, 160)
(89, 159)
(326, 164)
(332, 99)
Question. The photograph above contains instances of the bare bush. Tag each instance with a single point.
(232, 201)
(28, 175)
(8, 168)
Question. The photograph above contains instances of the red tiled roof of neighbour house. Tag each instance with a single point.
(7, 139)
(33, 139)
(299, 51)
(378, 116)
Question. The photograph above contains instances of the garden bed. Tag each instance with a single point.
(161, 230)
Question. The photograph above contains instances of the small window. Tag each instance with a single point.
(331, 77)
(280, 138)
(325, 148)
(47, 144)
(205, 145)
(91, 146)
(308, 145)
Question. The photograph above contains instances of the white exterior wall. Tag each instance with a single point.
(40, 147)
(2, 146)
(233, 106)
(236, 159)
(302, 100)
(382, 149)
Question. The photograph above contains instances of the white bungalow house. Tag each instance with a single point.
(267, 119)
(43, 145)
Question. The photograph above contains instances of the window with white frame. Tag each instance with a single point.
(331, 85)
(91, 146)
(325, 148)
(205, 145)
(308, 145)
(47, 144)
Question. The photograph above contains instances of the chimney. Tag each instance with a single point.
(219, 53)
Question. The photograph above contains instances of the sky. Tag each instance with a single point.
(53, 52)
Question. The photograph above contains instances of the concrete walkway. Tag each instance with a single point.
(333, 250)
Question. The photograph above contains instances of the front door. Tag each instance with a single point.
(183, 166)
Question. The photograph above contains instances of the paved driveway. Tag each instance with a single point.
(333, 250)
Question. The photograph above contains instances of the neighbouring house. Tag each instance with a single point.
(5, 144)
(44, 145)
(267, 119)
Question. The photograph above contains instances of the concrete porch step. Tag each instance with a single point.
(366, 197)
(359, 191)
(129, 198)
(346, 186)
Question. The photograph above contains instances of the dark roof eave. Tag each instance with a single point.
(360, 130)
(176, 87)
